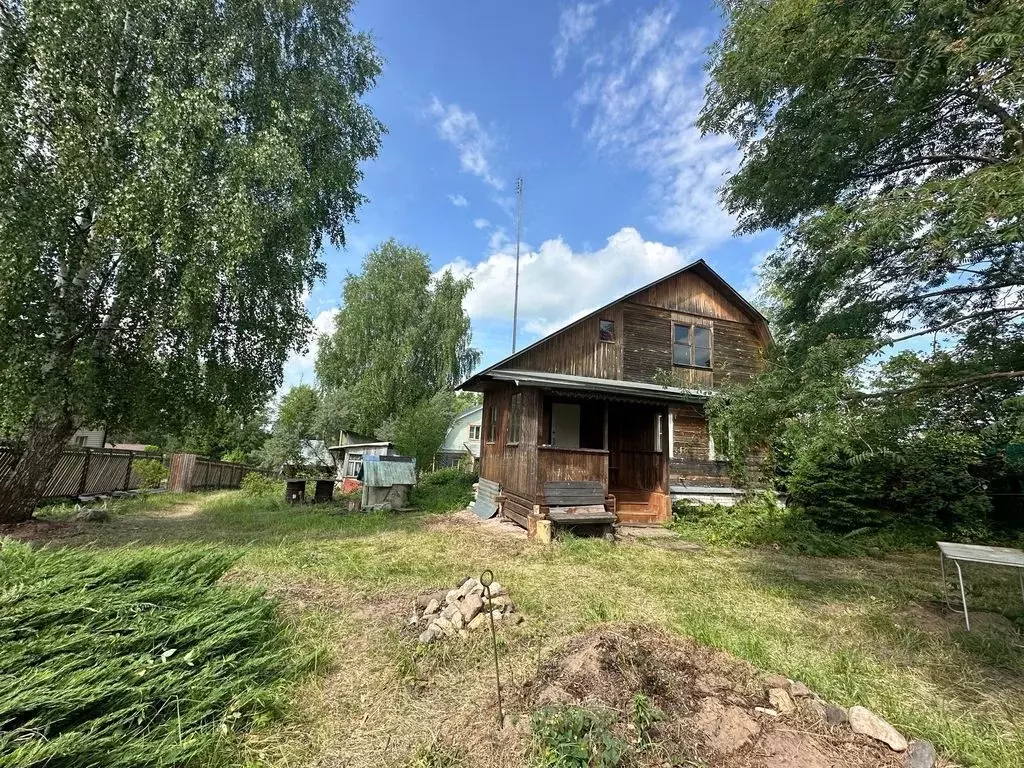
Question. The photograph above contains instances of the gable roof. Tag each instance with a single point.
(699, 267)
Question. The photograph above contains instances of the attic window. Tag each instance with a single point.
(607, 330)
(691, 345)
(474, 431)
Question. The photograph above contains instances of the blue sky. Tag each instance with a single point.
(593, 104)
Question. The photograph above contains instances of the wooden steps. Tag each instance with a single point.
(641, 507)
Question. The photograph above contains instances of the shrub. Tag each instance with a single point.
(150, 472)
(576, 737)
(255, 484)
(133, 657)
(444, 490)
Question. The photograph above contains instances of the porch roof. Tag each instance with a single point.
(585, 384)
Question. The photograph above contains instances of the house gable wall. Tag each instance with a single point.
(642, 349)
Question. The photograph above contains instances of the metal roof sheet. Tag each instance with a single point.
(384, 474)
(565, 381)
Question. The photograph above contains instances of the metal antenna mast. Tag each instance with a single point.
(519, 236)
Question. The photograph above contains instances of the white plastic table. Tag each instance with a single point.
(974, 553)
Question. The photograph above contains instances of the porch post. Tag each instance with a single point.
(665, 454)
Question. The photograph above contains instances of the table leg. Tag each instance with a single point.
(1020, 572)
(963, 594)
(945, 586)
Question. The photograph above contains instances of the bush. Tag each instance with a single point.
(133, 657)
(255, 484)
(758, 520)
(576, 737)
(151, 472)
(444, 490)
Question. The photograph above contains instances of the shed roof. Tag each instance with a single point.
(379, 444)
(384, 474)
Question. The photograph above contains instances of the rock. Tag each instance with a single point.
(95, 515)
(781, 701)
(921, 754)
(776, 681)
(796, 688)
(470, 606)
(503, 602)
(863, 720)
(457, 621)
(424, 600)
(496, 614)
(463, 580)
(726, 728)
(444, 626)
(766, 711)
(813, 706)
(496, 589)
(452, 596)
(478, 589)
(478, 621)
(428, 635)
(414, 619)
(514, 618)
(431, 608)
(467, 586)
(835, 715)
(463, 634)
(450, 610)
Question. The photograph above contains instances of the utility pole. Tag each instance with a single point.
(519, 237)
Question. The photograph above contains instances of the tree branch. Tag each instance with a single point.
(954, 384)
(950, 324)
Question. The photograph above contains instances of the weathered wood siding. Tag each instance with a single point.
(634, 459)
(570, 464)
(513, 467)
(642, 349)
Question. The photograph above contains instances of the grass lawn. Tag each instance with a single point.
(866, 631)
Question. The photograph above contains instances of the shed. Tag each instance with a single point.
(387, 480)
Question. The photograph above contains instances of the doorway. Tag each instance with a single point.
(565, 425)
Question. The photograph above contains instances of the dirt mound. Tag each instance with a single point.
(717, 709)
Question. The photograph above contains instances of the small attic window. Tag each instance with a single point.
(607, 330)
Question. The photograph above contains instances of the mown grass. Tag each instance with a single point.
(133, 657)
(859, 630)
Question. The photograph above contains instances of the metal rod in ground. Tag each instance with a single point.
(485, 580)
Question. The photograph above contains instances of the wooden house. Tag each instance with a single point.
(607, 414)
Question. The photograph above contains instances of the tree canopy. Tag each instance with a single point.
(400, 337)
(170, 171)
(886, 141)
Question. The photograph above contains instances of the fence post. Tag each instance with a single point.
(85, 473)
(128, 472)
(183, 466)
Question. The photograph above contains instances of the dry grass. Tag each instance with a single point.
(864, 631)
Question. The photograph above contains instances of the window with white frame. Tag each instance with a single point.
(353, 463)
(474, 431)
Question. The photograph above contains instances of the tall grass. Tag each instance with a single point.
(133, 657)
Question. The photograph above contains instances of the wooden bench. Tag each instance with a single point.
(580, 502)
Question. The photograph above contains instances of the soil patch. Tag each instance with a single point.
(714, 705)
(36, 531)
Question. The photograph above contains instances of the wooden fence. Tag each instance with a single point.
(87, 471)
(190, 472)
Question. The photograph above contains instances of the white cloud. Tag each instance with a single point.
(481, 223)
(557, 284)
(640, 102)
(458, 201)
(574, 24)
(462, 129)
(299, 368)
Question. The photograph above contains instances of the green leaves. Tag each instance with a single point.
(401, 337)
(173, 168)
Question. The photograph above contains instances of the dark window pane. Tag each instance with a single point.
(682, 334)
(702, 357)
(607, 330)
(681, 354)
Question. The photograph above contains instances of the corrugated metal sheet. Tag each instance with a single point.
(384, 474)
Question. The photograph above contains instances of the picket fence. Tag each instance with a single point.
(86, 471)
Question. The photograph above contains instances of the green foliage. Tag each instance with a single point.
(759, 521)
(294, 433)
(179, 166)
(151, 472)
(400, 337)
(644, 716)
(255, 484)
(445, 490)
(133, 657)
(576, 737)
(420, 429)
(887, 144)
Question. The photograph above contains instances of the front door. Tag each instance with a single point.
(565, 425)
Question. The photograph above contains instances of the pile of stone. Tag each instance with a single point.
(786, 696)
(462, 610)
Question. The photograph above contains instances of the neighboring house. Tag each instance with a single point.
(613, 403)
(88, 438)
(462, 442)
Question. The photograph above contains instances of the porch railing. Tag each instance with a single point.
(556, 464)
